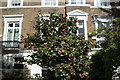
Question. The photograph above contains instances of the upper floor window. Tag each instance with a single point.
(105, 2)
(49, 2)
(102, 2)
(77, 1)
(15, 2)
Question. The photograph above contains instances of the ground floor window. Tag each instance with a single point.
(102, 21)
(82, 18)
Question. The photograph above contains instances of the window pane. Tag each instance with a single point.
(81, 31)
(9, 35)
(17, 24)
(50, 2)
(80, 25)
(103, 24)
(105, 2)
(79, 1)
(16, 2)
(10, 25)
(76, 1)
(16, 34)
(13, 30)
(73, 1)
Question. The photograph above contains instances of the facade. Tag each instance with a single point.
(17, 18)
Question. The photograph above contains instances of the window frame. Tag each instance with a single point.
(83, 2)
(43, 3)
(104, 19)
(98, 3)
(9, 4)
(14, 18)
(80, 15)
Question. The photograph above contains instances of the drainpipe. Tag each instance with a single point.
(65, 9)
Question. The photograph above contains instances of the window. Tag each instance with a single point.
(49, 2)
(12, 30)
(15, 2)
(102, 21)
(81, 22)
(77, 1)
(102, 3)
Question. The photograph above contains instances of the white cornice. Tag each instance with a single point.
(77, 12)
(13, 16)
(15, 7)
(105, 7)
(31, 7)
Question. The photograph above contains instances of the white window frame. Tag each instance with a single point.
(9, 4)
(43, 3)
(80, 15)
(102, 18)
(13, 18)
(83, 3)
(98, 3)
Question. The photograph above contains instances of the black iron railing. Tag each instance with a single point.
(10, 44)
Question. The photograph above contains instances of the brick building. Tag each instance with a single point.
(17, 18)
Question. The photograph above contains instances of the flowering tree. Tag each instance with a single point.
(58, 48)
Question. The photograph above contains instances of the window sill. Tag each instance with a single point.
(104, 6)
(86, 5)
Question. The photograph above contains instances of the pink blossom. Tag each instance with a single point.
(84, 46)
(63, 30)
(45, 43)
(59, 51)
(65, 67)
(74, 58)
(70, 63)
(51, 50)
(86, 73)
(77, 65)
(31, 43)
(73, 20)
(80, 75)
(80, 56)
(63, 51)
(61, 55)
(44, 37)
(34, 32)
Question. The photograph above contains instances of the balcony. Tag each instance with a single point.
(10, 47)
